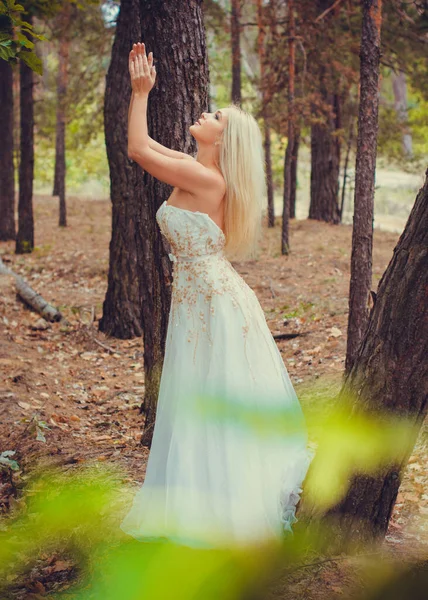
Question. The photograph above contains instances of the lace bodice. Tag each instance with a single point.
(193, 235)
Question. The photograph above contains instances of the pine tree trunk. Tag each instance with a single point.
(7, 177)
(25, 235)
(324, 170)
(285, 243)
(235, 23)
(62, 79)
(362, 231)
(263, 87)
(269, 178)
(138, 295)
(325, 164)
(390, 372)
(294, 163)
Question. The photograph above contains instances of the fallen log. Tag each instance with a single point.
(30, 297)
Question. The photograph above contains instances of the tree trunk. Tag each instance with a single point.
(294, 163)
(362, 231)
(7, 173)
(390, 372)
(138, 295)
(324, 168)
(325, 163)
(285, 244)
(269, 178)
(25, 236)
(60, 165)
(263, 86)
(235, 23)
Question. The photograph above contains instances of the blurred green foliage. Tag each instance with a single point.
(15, 31)
(78, 513)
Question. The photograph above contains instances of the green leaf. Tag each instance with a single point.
(32, 61)
(6, 53)
(24, 41)
(39, 36)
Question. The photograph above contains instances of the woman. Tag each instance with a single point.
(229, 451)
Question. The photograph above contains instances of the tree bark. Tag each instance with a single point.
(62, 79)
(235, 22)
(390, 373)
(263, 86)
(324, 166)
(25, 236)
(285, 243)
(7, 173)
(362, 231)
(138, 295)
(294, 163)
(324, 187)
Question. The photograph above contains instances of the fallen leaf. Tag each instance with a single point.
(24, 405)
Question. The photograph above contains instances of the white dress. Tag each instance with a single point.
(229, 451)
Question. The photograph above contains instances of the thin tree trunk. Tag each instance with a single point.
(7, 174)
(235, 23)
(25, 236)
(62, 79)
(362, 231)
(294, 163)
(389, 375)
(138, 295)
(285, 243)
(263, 84)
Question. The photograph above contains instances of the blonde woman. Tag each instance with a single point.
(229, 453)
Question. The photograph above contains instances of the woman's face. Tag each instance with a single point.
(208, 129)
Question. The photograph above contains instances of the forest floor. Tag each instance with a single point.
(88, 388)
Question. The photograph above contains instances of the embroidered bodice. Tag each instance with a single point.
(193, 235)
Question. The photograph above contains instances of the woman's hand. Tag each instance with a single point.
(141, 69)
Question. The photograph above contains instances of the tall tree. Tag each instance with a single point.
(7, 172)
(261, 21)
(294, 163)
(325, 159)
(285, 243)
(389, 375)
(25, 235)
(63, 22)
(362, 231)
(235, 26)
(138, 295)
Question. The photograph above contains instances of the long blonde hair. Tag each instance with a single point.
(242, 163)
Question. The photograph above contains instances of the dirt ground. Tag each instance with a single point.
(88, 388)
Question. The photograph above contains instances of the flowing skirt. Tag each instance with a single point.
(229, 449)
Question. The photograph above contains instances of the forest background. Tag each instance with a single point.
(90, 396)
